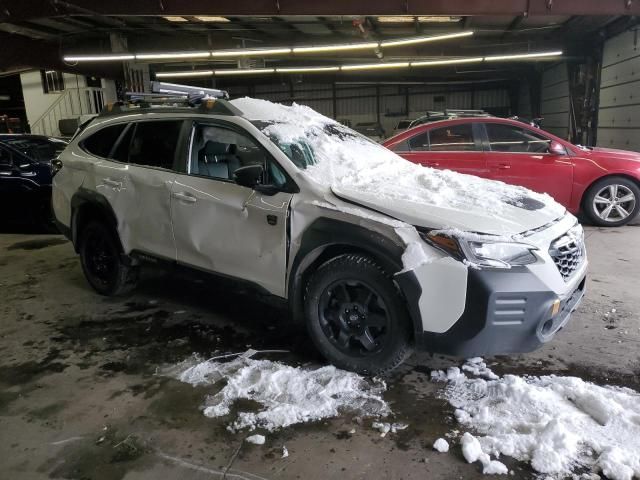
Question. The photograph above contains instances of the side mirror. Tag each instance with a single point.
(556, 148)
(248, 176)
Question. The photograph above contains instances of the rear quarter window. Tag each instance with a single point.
(101, 142)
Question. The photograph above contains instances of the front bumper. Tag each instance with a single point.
(505, 312)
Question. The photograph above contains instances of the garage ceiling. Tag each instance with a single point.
(38, 33)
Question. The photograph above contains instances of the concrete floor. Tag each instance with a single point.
(79, 397)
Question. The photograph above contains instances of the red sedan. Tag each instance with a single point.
(603, 183)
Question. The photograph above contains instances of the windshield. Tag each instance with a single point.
(300, 149)
(38, 149)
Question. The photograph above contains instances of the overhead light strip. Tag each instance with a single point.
(250, 52)
(99, 58)
(160, 56)
(413, 41)
(523, 56)
(244, 52)
(358, 66)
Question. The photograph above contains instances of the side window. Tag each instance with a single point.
(121, 153)
(217, 152)
(420, 142)
(101, 142)
(507, 138)
(5, 158)
(154, 143)
(455, 138)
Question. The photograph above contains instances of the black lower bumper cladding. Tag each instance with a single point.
(505, 312)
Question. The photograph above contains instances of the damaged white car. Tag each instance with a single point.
(376, 255)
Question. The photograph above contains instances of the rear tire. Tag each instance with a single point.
(612, 201)
(102, 261)
(356, 317)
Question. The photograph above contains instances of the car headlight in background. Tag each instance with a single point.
(485, 253)
(56, 165)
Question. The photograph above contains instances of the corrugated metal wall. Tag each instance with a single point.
(360, 103)
(619, 113)
(554, 96)
(524, 100)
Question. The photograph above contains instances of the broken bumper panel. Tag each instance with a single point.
(505, 312)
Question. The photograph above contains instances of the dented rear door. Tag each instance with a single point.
(225, 228)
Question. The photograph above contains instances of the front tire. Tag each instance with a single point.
(612, 202)
(356, 317)
(102, 261)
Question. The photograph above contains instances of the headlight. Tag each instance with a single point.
(486, 253)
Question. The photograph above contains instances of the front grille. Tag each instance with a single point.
(567, 253)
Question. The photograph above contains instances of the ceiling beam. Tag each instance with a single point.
(21, 53)
(22, 11)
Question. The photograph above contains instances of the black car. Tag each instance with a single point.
(27, 165)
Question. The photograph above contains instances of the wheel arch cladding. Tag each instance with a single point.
(328, 238)
(87, 206)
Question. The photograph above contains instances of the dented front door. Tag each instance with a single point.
(232, 230)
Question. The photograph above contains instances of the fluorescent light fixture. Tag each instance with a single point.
(451, 61)
(160, 56)
(411, 41)
(374, 66)
(99, 58)
(245, 71)
(307, 69)
(189, 73)
(255, 52)
(336, 48)
(439, 19)
(397, 19)
(175, 19)
(523, 56)
(208, 18)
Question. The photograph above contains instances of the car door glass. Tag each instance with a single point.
(121, 152)
(101, 142)
(512, 139)
(420, 142)
(217, 152)
(6, 162)
(154, 143)
(453, 138)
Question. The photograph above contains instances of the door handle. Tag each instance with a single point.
(185, 197)
(432, 164)
(504, 166)
(112, 183)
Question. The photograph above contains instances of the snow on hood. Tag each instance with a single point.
(359, 170)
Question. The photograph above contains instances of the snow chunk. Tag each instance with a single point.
(557, 424)
(256, 439)
(385, 428)
(441, 445)
(288, 395)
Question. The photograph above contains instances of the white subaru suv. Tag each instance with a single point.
(377, 255)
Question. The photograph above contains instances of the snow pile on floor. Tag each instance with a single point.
(288, 395)
(346, 161)
(385, 428)
(558, 424)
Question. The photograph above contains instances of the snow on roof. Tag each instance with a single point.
(347, 161)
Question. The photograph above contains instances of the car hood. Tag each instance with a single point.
(528, 214)
(611, 154)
